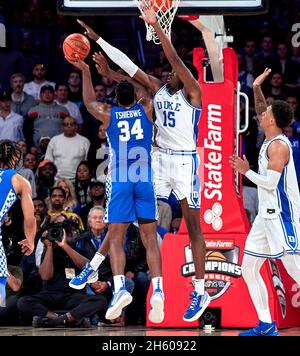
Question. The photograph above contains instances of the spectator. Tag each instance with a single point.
(97, 194)
(293, 101)
(289, 69)
(41, 150)
(277, 88)
(100, 92)
(75, 86)
(62, 94)
(89, 242)
(22, 146)
(45, 178)
(11, 124)
(82, 183)
(34, 87)
(21, 101)
(67, 150)
(45, 119)
(71, 203)
(30, 162)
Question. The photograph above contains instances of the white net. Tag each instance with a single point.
(165, 11)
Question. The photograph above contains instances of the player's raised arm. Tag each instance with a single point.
(259, 99)
(191, 86)
(100, 111)
(122, 60)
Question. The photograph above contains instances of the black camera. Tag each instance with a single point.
(56, 230)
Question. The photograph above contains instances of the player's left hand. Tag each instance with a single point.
(26, 247)
(101, 64)
(239, 164)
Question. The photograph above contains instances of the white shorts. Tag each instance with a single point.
(271, 238)
(177, 173)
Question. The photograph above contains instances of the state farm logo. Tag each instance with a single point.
(213, 216)
(213, 157)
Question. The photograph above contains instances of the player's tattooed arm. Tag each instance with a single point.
(259, 99)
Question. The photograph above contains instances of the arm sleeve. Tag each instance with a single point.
(269, 182)
(118, 57)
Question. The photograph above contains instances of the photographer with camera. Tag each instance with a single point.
(56, 207)
(60, 263)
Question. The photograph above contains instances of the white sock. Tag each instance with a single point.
(96, 261)
(199, 286)
(264, 316)
(157, 283)
(119, 282)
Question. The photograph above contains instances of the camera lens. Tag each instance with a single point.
(55, 233)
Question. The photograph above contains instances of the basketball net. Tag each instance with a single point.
(165, 12)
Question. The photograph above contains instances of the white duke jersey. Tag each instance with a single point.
(177, 121)
(284, 201)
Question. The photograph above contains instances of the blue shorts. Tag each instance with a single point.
(128, 201)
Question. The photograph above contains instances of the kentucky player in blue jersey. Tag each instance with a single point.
(12, 186)
(130, 189)
(175, 163)
(275, 232)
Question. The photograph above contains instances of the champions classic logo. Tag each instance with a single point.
(221, 265)
(213, 165)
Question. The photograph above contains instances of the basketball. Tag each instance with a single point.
(76, 43)
(162, 5)
(215, 256)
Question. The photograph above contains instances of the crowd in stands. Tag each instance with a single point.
(65, 155)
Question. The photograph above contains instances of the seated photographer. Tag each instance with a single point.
(60, 263)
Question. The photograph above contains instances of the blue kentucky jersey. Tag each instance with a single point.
(130, 137)
(7, 193)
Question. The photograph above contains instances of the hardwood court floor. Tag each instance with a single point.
(126, 331)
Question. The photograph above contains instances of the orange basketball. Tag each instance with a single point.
(76, 43)
(166, 4)
(215, 256)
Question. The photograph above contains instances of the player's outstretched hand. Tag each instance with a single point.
(239, 164)
(101, 64)
(26, 247)
(89, 31)
(149, 14)
(79, 63)
(261, 78)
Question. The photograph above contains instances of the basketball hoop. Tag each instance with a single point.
(165, 12)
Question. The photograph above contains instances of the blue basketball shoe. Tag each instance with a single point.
(198, 304)
(263, 329)
(87, 275)
(120, 300)
(157, 313)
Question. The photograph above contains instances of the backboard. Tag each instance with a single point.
(128, 7)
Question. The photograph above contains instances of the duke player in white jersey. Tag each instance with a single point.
(276, 230)
(12, 187)
(178, 108)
